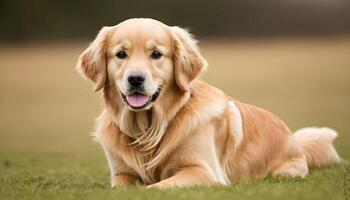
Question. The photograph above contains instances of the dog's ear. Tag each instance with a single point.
(189, 63)
(92, 63)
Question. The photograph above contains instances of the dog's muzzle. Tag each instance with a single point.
(139, 100)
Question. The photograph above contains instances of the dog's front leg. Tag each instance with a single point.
(125, 180)
(121, 174)
(187, 177)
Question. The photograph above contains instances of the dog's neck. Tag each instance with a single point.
(145, 128)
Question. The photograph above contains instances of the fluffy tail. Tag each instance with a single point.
(317, 145)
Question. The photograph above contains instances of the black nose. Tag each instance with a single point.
(136, 79)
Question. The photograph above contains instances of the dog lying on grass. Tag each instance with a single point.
(162, 127)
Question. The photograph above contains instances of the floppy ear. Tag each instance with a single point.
(189, 63)
(92, 63)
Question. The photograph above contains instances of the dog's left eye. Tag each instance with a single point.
(156, 55)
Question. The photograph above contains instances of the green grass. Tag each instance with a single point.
(47, 112)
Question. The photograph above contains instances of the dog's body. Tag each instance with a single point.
(162, 127)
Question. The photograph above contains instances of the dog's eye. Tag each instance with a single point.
(156, 55)
(121, 54)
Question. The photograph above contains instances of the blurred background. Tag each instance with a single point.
(41, 19)
(291, 57)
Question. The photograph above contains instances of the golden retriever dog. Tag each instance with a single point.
(162, 127)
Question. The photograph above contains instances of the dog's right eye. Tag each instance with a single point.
(121, 54)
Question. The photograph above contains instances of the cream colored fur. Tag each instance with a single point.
(192, 134)
(316, 144)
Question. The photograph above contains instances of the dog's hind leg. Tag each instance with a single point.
(292, 161)
(293, 167)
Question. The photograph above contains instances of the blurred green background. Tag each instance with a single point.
(290, 57)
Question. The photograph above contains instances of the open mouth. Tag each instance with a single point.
(138, 100)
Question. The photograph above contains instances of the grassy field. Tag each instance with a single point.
(47, 112)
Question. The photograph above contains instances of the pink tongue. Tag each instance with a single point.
(137, 100)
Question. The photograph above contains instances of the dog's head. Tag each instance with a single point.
(142, 59)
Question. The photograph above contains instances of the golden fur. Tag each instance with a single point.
(193, 134)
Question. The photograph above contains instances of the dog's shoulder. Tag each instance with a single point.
(206, 100)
